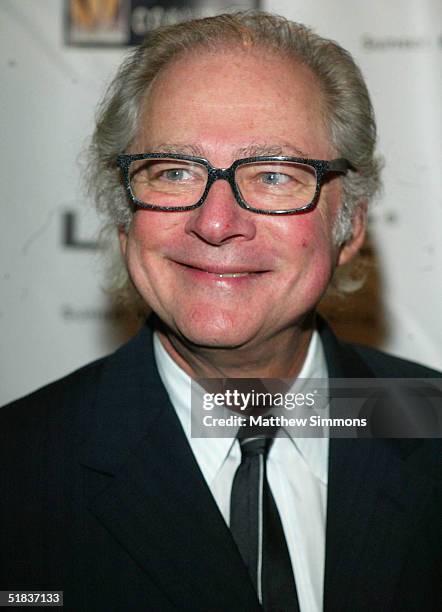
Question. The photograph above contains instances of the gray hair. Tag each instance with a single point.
(349, 113)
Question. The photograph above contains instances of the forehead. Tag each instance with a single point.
(227, 100)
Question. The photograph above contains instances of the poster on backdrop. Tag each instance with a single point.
(127, 22)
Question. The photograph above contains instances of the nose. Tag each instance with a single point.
(220, 219)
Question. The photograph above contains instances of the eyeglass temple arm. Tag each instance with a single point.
(340, 165)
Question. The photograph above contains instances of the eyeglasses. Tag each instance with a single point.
(269, 185)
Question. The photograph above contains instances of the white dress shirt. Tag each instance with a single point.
(297, 471)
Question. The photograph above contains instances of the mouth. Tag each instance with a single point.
(218, 272)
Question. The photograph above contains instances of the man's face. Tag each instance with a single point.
(222, 276)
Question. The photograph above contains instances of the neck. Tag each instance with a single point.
(280, 357)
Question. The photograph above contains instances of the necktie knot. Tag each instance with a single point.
(252, 447)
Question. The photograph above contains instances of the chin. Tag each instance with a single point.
(214, 329)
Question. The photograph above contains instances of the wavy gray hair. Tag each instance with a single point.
(349, 113)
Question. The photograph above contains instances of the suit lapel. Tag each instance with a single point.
(373, 498)
(149, 491)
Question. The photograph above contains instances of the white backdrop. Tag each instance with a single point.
(54, 316)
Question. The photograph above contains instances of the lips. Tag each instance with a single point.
(222, 272)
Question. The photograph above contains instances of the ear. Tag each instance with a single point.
(350, 248)
(122, 237)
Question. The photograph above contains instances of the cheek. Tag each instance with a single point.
(307, 235)
(146, 240)
(147, 228)
(151, 232)
(310, 255)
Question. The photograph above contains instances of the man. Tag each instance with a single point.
(235, 156)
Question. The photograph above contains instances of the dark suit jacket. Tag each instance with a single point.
(101, 497)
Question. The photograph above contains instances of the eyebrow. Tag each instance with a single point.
(251, 150)
(255, 150)
(185, 149)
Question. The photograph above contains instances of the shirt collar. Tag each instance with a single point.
(211, 453)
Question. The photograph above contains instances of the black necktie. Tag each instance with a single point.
(257, 530)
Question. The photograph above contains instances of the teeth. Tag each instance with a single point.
(233, 275)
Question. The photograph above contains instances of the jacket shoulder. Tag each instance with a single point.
(71, 391)
(385, 365)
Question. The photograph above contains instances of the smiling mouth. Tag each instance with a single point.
(221, 274)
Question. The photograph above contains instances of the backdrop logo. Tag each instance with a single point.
(126, 22)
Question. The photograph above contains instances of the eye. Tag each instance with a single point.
(275, 178)
(176, 174)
